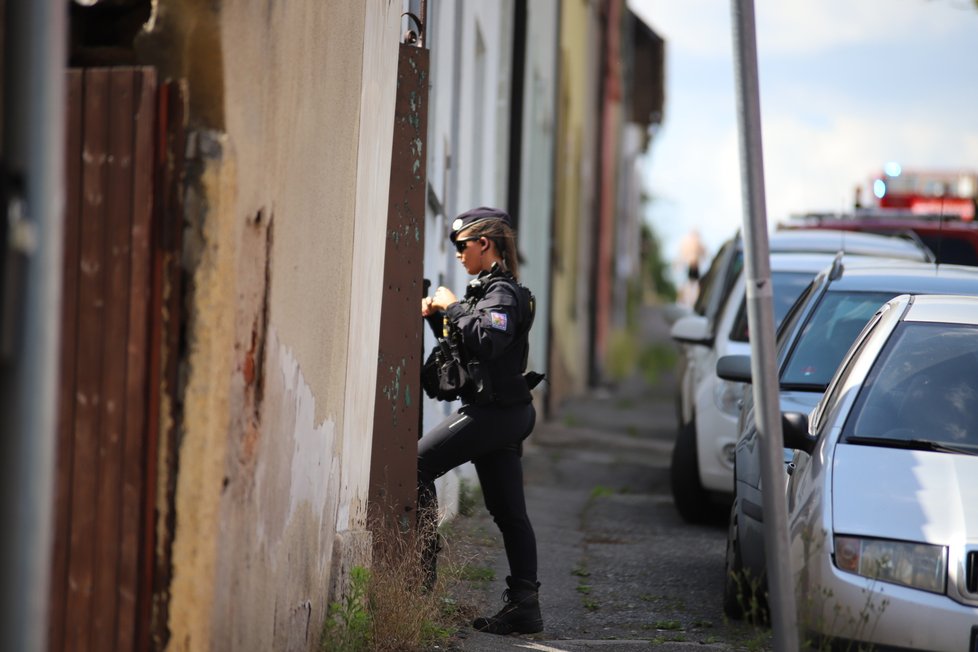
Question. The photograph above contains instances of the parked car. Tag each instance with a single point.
(702, 458)
(952, 240)
(812, 341)
(716, 283)
(882, 517)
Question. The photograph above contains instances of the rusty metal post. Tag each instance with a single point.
(392, 498)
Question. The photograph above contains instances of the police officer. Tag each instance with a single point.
(493, 322)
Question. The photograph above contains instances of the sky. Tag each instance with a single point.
(846, 86)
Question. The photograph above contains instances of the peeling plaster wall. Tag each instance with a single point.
(292, 105)
(279, 521)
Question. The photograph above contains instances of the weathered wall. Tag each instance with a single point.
(575, 179)
(293, 108)
(468, 123)
(537, 169)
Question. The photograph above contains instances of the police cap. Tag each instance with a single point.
(476, 216)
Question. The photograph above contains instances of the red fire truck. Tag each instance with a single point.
(951, 193)
(935, 207)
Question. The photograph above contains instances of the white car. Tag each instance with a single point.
(883, 497)
(702, 458)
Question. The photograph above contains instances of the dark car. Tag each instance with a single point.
(812, 340)
(954, 241)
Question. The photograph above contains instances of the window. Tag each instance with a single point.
(827, 335)
(787, 325)
(833, 393)
(787, 287)
(923, 386)
(950, 249)
(711, 281)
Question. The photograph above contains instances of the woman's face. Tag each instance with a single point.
(469, 252)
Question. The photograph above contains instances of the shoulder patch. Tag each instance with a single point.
(497, 320)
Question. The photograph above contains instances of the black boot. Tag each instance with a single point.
(521, 613)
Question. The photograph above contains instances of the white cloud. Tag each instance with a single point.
(697, 27)
(703, 27)
(799, 27)
(696, 183)
(821, 138)
(810, 169)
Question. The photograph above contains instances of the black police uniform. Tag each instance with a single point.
(493, 321)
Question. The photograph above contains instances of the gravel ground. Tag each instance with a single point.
(619, 570)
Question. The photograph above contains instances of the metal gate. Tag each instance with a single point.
(397, 415)
(111, 325)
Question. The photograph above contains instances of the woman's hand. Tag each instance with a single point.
(442, 298)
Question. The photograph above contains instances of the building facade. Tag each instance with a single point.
(273, 204)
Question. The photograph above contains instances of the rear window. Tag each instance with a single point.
(715, 284)
(827, 335)
(788, 286)
(709, 280)
(951, 250)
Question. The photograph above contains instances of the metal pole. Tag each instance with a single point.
(33, 153)
(760, 314)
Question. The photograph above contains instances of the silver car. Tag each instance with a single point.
(815, 335)
(883, 500)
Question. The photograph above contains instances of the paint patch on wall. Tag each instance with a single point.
(278, 532)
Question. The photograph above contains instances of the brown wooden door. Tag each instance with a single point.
(98, 589)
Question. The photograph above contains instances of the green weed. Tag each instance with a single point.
(469, 497)
(348, 622)
(600, 491)
(476, 573)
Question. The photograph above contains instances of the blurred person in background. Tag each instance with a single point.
(691, 254)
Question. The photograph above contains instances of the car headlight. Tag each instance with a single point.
(917, 565)
(728, 396)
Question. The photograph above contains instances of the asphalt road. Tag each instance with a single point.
(619, 570)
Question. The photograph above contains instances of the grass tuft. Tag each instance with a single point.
(385, 608)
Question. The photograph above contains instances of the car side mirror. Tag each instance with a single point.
(735, 368)
(794, 429)
(673, 312)
(692, 329)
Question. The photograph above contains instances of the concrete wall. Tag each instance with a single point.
(537, 168)
(628, 236)
(291, 105)
(468, 131)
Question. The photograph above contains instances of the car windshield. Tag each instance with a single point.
(787, 287)
(827, 335)
(922, 390)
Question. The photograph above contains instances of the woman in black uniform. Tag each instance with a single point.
(493, 320)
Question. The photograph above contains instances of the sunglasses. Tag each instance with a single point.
(462, 243)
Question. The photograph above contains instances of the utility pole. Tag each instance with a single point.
(760, 315)
(34, 59)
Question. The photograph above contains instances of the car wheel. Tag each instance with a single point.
(743, 596)
(688, 494)
(733, 571)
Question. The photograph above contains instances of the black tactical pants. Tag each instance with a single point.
(490, 437)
